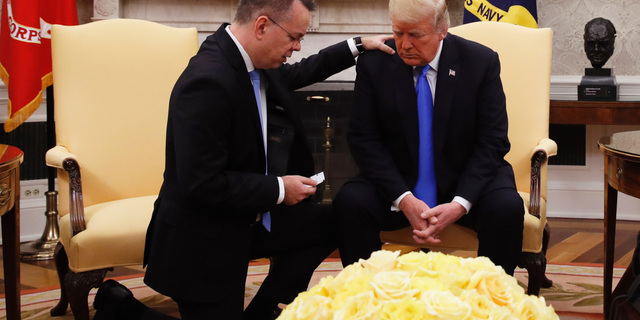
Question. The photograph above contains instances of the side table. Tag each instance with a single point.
(621, 173)
(10, 160)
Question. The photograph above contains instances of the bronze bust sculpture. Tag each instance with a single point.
(599, 38)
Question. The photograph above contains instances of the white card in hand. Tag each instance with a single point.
(318, 178)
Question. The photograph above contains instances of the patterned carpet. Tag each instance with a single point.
(575, 295)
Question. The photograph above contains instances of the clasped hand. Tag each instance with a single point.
(428, 222)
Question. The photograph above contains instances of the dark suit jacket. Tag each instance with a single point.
(214, 181)
(469, 123)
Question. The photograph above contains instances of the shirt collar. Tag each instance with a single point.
(435, 63)
(245, 55)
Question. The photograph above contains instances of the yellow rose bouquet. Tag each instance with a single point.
(418, 286)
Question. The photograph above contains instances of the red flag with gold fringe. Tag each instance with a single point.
(25, 51)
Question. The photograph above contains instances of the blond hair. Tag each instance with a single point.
(413, 11)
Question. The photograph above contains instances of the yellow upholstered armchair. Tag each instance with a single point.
(112, 80)
(525, 56)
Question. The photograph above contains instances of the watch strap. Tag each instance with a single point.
(359, 45)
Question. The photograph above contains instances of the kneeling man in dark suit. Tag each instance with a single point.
(429, 135)
(236, 180)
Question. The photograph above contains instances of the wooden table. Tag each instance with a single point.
(621, 173)
(10, 160)
(594, 112)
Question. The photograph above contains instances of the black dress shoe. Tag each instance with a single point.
(276, 313)
(108, 299)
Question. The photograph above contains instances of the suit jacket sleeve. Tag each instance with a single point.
(490, 141)
(317, 67)
(217, 152)
(219, 157)
(369, 129)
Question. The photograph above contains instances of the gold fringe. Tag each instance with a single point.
(47, 80)
(4, 75)
(22, 115)
(3, 149)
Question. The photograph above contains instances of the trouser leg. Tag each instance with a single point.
(360, 215)
(498, 218)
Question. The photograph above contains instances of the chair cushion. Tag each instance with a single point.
(115, 234)
(461, 238)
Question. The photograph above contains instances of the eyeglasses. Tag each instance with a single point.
(293, 39)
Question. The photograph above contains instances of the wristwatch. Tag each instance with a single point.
(358, 42)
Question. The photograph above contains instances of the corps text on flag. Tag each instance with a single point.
(25, 51)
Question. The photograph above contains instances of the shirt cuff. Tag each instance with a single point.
(396, 204)
(352, 46)
(462, 201)
(281, 188)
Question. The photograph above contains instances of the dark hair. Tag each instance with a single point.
(600, 21)
(278, 10)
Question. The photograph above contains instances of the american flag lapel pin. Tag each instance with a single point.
(452, 72)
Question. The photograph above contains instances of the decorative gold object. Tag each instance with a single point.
(44, 248)
(328, 133)
(5, 194)
(317, 98)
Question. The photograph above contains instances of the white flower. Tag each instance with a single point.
(381, 261)
(392, 285)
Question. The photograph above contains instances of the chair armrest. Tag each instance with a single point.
(539, 156)
(60, 157)
(548, 146)
(56, 156)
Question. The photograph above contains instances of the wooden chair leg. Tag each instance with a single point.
(78, 287)
(546, 282)
(62, 266)
(536, 265)
(75, 287)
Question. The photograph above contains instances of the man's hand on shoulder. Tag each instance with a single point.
(297, 188)
(447, 214)
(377, 43)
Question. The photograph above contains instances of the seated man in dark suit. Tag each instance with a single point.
(229, 193)
(429, 135)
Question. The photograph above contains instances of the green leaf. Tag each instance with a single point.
(591, 287)
(565, 297)
(593, 301)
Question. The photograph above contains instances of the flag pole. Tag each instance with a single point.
(44, 248)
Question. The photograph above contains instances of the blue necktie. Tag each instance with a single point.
(255, 78)
(425, 188)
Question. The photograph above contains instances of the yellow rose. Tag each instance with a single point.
(338, 284)
(428, 283)
(444, 305)
(455, 278)
(534, 308)
(498, 286)
(287, 314)
(392, 285)
(471, 265)
(320, 288)
(358, 283)
(405, 309)
(481, 306)
(501, 313)
(382, 260)
(309, 307)
(363, 306)
(430, 264)
(416, 262)
(441, 261)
